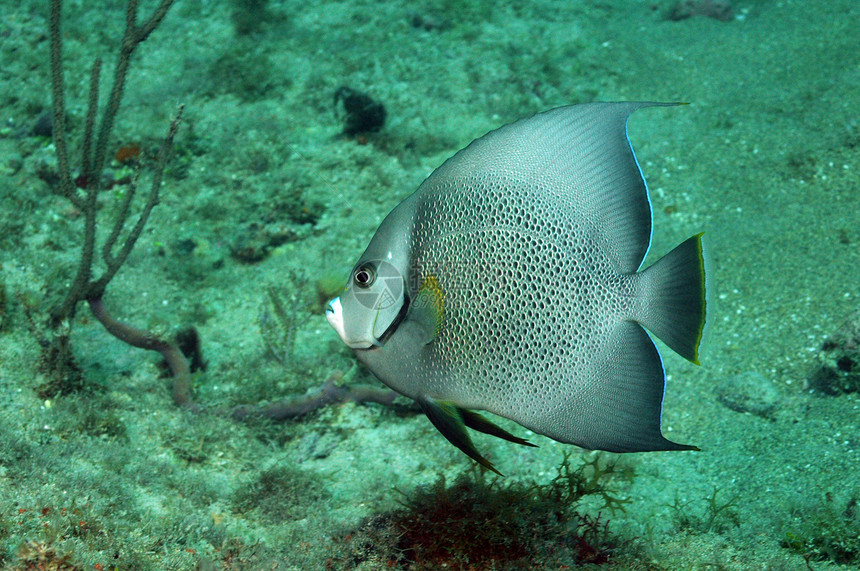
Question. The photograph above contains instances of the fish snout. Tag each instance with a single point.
(334, 315)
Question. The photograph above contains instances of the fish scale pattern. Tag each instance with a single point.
(528, 296)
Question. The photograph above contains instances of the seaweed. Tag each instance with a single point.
(716, 515)
(827, 531)
(572, 483)
(277, 493)
(278, 318)
(37, 555)
(481, 523)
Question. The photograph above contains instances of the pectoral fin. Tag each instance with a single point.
(428, 308)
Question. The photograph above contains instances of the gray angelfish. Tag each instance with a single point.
(509, 282)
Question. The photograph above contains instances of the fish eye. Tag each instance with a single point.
(364, 276)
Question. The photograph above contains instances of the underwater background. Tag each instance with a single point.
(274, 189)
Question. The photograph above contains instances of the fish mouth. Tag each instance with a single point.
(334, 315)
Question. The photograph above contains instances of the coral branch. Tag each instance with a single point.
(328, 393)
(114, 263)
(131, 39)
(57, 357)
(146, 340)
(92, 112)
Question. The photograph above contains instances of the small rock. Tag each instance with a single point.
(428, 23)
(363, 114)
(716, 9)
(315, 446)
(44, 126)
(749, 392)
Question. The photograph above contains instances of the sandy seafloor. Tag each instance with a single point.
(764, 160)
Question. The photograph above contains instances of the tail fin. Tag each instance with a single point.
(674, 292)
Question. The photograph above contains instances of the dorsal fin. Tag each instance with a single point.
(578, 154)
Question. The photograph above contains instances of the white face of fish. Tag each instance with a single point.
(334, 314)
